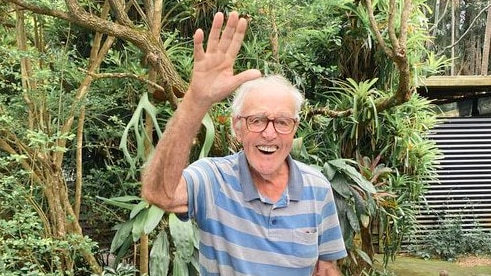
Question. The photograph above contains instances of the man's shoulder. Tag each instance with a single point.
(311, 174)
(309, 169)
(217, 161)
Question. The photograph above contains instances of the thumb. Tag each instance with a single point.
(245, 76)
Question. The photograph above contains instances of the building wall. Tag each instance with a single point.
(463, 189)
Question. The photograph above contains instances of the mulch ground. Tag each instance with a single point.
(470, 261)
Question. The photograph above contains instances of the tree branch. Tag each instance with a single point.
(471, 25)
(140, 11)
(391, 26)
(117, 6)
(375, 29)
(327, 112)
(41, 10)
(406, 12)
(398, 54)
(143, 39)
(123, 75)
(5, 145)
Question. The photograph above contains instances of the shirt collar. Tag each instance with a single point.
(295, 182)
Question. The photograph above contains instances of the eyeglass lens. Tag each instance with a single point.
(260, 123)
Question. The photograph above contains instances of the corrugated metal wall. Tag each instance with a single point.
(464, 188)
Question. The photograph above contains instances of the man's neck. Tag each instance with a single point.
(271, 186)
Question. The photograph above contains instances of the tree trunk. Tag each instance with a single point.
(486, 44)
(453, 27)
(46, 166)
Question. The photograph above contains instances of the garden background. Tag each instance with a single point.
(86, 88)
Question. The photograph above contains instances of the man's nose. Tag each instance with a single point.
(269, 131)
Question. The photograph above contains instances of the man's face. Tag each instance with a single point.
(266, 151)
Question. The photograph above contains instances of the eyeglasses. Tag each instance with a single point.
(258, 123)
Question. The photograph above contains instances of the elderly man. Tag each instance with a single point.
(259, 211)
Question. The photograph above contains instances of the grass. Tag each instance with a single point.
(412, 266)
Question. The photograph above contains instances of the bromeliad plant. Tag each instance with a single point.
(389, 150)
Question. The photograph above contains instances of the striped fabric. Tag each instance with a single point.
(242, 233)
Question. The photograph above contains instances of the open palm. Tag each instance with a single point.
(213, 75)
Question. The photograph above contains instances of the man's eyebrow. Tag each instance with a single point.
(278, 115)
(285, 115)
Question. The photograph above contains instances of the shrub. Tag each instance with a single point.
(26, 248)
(451, 240)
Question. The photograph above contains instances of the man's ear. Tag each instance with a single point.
(236, 128)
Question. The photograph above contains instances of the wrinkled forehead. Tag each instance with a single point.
(269, 100)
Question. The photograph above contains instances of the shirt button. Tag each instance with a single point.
(273, 221)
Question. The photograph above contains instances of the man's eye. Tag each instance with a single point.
(282, 122)
(256, 120)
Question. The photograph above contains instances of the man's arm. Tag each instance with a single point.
(326, 268)
(212, 80)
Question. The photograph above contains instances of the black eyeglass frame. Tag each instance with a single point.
(248, 123)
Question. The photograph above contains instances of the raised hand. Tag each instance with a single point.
(213, 79)
(213, 76)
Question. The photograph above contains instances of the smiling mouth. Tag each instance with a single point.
(267, 149)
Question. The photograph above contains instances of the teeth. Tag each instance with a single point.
(267, 148)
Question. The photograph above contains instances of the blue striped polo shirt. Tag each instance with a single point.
(242, 233)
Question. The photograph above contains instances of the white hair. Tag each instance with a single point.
(277, 80)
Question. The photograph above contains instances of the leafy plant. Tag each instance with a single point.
(450, 241)
(143, 220)
(25, 246)
(121, 269)
(388, 149)
(325, 40)
(355, 198)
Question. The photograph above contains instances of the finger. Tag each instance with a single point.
(199, 52)
(245, 76)
(229, 32)
(216, 29)
(236, 41)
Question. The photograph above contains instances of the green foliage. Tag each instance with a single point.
(450, 240)
(303, 47)
(144, 220)
(26, 248)
(160, 255)
(422, 61)
(354, 196)
(360, 98)
(411, 152)
(144, 108)
(388, 150)
(406, 149)
(121, 269)
(377, 162)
